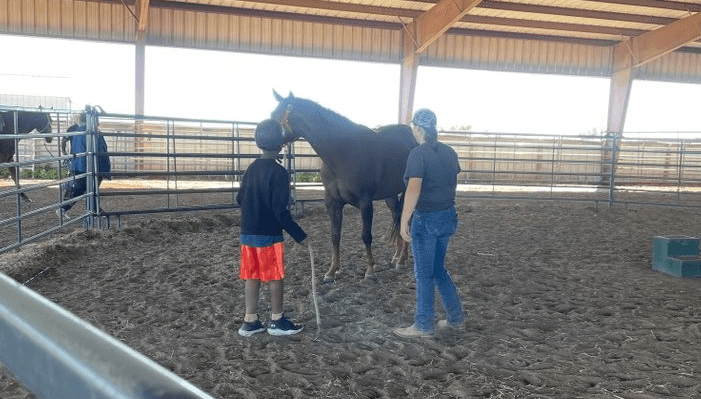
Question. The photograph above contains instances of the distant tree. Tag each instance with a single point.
(464, 128)
(593, 132)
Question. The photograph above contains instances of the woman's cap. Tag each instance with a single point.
(268, 135)
(425, 118)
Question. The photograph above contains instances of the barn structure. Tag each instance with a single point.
(622, 40)
(619, 39)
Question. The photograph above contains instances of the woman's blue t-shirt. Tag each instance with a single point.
(438, 167)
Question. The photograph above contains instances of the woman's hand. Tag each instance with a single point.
(411, 197)
(404, 231)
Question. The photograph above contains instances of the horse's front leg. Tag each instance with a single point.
(366, 211)
(13, 174)
(335, 210)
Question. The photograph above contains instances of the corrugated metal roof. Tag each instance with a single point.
(546, 36)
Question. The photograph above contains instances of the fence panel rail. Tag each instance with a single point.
(197, 164)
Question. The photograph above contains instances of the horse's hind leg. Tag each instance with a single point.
(13, 174)
(366, 211)
(335, 210)
(401, 247)
(401, 254)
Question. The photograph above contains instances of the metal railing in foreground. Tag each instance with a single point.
(57, 355)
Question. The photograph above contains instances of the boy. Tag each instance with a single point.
(263, 198)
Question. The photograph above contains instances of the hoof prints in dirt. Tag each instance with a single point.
(562, 302)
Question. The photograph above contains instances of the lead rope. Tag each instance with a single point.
(316, 302)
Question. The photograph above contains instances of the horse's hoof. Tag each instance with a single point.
(329, 278)
(370, 276)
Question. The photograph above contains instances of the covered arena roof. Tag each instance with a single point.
(619, 39)
(541, 36)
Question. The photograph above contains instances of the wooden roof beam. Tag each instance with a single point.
(663, 4)
(546, 25)
(142, 19)
(438, 19)
(417, 36)
(575, 12)
(631, 53)
(639, 50)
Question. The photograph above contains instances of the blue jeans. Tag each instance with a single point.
(74, 188)
(430, 234)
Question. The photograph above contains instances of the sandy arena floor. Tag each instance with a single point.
(561, 298)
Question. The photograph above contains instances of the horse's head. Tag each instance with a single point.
(46, 128)
(27, 122)
(282, 114)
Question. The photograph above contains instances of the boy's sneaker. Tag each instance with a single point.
(283, 327)
(248, 329)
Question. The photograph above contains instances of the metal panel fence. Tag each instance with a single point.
(198, 165)
(633, 169)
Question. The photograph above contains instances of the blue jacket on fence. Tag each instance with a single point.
(78, 146)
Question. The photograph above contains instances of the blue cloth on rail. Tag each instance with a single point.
(78, 146)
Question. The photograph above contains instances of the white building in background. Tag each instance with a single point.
(25, 100)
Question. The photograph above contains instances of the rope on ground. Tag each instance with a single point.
(293, 258)
(316, 302)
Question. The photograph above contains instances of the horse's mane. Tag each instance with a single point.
(339, 121)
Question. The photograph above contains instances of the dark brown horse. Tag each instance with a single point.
(360, 165)
(27, 121)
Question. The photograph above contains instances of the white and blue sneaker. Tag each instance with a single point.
(283, 326)
(248, 329)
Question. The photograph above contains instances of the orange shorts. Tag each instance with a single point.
(264, 264)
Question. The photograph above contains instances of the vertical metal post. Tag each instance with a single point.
(235, 158)
(18, 199)
(552, 169)
(494, 167)
(237, 150)
(168, 162)
(680, 170)
(291, 167)
(175, 162)
(90, 164)
(612, 177)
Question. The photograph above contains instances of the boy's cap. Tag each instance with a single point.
(269, 135)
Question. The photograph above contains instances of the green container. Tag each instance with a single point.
(676, 256)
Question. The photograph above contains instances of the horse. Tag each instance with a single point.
(359, 165)
(27, 121)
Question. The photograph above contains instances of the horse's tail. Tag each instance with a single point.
(393, 234)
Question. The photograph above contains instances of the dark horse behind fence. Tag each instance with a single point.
(27, 121)
(360, 165)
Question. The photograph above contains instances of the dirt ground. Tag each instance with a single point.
(561, 302)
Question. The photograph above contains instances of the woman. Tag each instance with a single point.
(431, 178)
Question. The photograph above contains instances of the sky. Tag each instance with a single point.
(237, 86)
